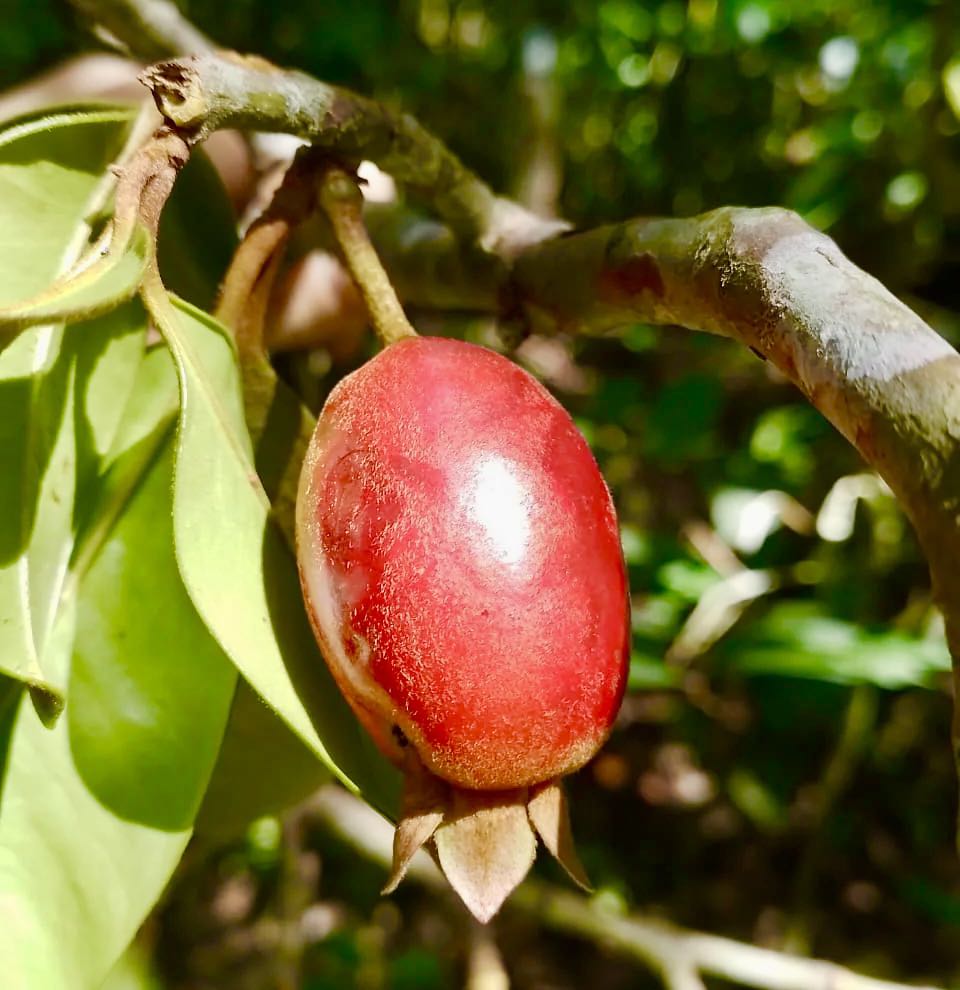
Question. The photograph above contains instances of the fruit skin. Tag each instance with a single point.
(461, 563)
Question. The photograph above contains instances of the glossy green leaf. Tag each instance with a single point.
(37, 452)
(240, 575)
(111, 373)
(88, 843)
(97, 288)
(56, 425)
(51, 174)
(51, 169)
(146, 422)
(149, 686)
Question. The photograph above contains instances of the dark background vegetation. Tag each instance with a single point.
(787, 781)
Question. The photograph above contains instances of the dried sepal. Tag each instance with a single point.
(485, 841)
(426, 801)
(486, 846)
(550, 816)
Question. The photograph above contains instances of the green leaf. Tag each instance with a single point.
(149, 686)
(36, 502)
(51, 168)
(144, 425)
(56, 424)
(101, 286)
(114, 373)
(795, 639)
(51, 174)
(262, 769)
(239, 574)
(88, 843)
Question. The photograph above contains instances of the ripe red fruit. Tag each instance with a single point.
(461, 564)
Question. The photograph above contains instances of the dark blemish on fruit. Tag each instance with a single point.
(400, 736)
(349, 642)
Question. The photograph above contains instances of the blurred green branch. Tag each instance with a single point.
(677, 954)
(857, 732)
(148, 29)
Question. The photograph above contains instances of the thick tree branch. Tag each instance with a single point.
(677, 954)
(882, 376)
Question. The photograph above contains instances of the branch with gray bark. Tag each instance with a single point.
(203, 93)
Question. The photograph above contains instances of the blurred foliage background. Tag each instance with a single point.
(782, 769)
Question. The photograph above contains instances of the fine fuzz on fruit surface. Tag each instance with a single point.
(461, 564)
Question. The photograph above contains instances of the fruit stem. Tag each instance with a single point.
(342, 201)
(246, 286)
(249, 280)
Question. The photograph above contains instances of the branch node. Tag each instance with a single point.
(176, 93)
(342, 201)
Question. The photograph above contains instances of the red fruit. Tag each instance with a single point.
(461, 564)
